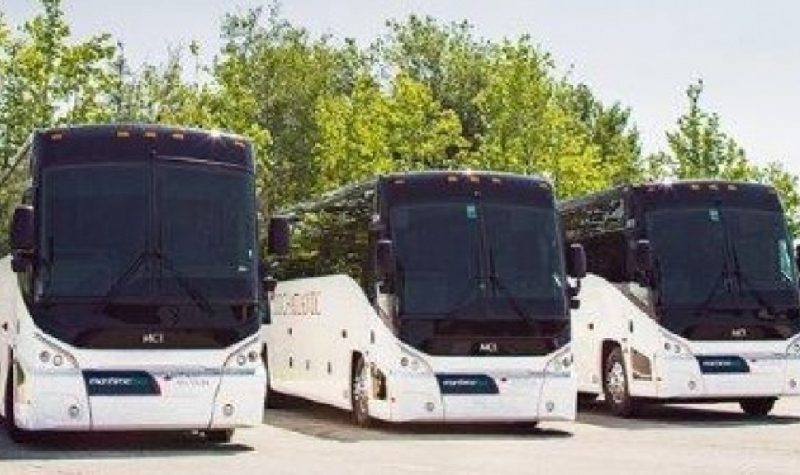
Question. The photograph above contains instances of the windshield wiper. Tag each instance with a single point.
(510, 297)
(198, 298)
(126, 275)
(744, 283)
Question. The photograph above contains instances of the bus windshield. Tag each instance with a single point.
(478, 260)
(98, 222)
(699, 251)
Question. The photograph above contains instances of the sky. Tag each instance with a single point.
(640, 53)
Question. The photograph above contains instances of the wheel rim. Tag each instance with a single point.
(360, 394)
(615, 382)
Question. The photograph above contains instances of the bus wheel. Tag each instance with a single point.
(615, 385)
(757, 407)
(17, 435)
(359, 393)
(222, 436)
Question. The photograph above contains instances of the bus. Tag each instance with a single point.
(427, 297)
(692, 296)
(131, 299)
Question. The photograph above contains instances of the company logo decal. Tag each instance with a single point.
(153, 338)
(487, 348)
(466, 384)
(306, 304)
(739, 332)
(120, 383)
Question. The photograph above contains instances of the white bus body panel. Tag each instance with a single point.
(607, 315)
(319, 324)
(194, 385)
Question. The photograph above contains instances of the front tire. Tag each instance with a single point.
(757, 407)
(615, 386)
(15, 433)
(359, 394)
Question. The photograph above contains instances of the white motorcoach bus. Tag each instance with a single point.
(131, 298)
(427, 297)
(692, 296)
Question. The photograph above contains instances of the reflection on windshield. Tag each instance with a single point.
(697, 247)
(96, 226)
(440, 258)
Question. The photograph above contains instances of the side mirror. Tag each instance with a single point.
(22, 238)
(269, 284)
(577, 261)
(797, 255)
(643, 259)
(278, 237)
(384, 258)
(22, 235)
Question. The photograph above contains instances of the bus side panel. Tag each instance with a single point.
(608, 318)
(8, 296)
(321, 323)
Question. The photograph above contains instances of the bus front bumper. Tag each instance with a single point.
(727, 376)
(519, 397)
(180, 399)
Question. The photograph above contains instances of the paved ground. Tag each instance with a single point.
(310, 439)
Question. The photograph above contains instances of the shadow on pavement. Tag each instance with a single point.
(110, 445)
(329, 423)
(656, 416)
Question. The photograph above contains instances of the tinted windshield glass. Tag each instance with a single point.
(526, 254)
(440, 255)
(95, 228)
(437, 255)
(94, 224)
(207, 231)
(697, 249)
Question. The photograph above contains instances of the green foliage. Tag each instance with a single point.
(699, 148)
(46, 79)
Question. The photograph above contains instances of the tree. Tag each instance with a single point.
(46, 79)
(371, 131)
(275, 74)
(700, 149)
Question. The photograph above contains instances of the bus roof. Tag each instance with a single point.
(134, 142)
(646, 188)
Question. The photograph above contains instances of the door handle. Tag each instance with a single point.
(4, 326)
(591, 326)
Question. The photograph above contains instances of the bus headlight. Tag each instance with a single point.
(672, 346)
(561, 362)
(52, 355)
(247, 355)
(412, 363)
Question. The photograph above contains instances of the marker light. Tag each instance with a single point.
(177, 136)
(123, 134)
(150, 134)
(44, 356)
